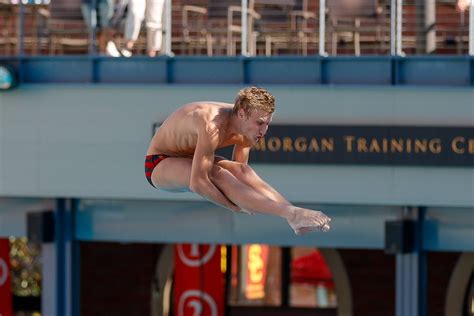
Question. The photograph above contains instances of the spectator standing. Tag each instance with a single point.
(97, 16)
(152, 12)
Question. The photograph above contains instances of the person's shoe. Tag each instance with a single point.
(112, 50)
(125, 52)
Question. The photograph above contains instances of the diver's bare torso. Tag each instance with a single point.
(177, 136)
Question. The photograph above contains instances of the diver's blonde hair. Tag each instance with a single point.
(254, 98)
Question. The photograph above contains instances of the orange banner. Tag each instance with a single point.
(5, 283)
(198, 281)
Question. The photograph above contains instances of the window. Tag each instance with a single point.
(311, 280)
(255, 275)
(263, 275)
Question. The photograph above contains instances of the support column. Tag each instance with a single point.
(404, 238)
(411, 271)
(60, 257)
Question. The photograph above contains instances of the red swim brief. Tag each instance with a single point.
(151, 161)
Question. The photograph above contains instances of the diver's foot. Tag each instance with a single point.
(305, 221)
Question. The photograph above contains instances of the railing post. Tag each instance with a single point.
(322, 28)
(399, 27)
(92, 28)
(244, 35)
(168, 30)
(396, 13)
(21, 29)
(471, 28)
(393, 27)
(429, 26)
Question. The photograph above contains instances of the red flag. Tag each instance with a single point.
(5, 285)
(198, 281)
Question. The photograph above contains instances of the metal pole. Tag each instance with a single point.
(410, 287)
(21, 31)
(462, 25)
(93, 28)
(430, 20)
(75, 264)
(322, 27)
(244, 35)
(422, 263)
(393, 27)
(399, 27)
(61, 265)
(168, 17)
(471, 28)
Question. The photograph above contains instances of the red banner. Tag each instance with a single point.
(5, 286)
(198, 281)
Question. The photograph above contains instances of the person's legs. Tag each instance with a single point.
(173, 174)
(105, 12)
(89, 16)
(154, 25)
(135, 16)
(259, 196)
(301, 220)
(247, 175)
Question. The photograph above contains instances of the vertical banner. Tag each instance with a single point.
(5, 283)
(198, 281)
(257, 259)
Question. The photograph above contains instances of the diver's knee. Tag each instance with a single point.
(219, 174)
(246, 169)
(240, 170)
